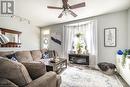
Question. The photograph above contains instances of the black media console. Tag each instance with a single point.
(79, 58)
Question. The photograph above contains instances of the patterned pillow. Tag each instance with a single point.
(45, 55)
(49, 54)
(12, 57)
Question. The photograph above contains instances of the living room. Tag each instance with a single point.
(43, 28)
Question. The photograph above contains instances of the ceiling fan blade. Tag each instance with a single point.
(52, 7)
(72, 13)
(65, 1)
(77, 5)
(60, 15)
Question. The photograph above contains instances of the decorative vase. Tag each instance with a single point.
(123, 61)
(119, 52)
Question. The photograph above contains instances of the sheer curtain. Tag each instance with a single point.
(89, 30)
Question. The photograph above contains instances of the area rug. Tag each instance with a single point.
(75, 77)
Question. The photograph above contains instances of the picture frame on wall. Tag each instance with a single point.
(110, 36)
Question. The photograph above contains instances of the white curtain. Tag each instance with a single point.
(89, 30)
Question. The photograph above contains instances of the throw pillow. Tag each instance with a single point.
(45, 55)
(49, 54)
(12, 57)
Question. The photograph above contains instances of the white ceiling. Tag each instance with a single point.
(38, 13)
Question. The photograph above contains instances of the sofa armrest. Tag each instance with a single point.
(35, 69)
(59, 80)
(6, 83)
(14, 71)
(47, 80)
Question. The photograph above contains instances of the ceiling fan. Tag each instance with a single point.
(67, 8)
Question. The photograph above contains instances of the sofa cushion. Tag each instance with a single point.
(36, 55)
(6, 83)
(24, 56)
(43, 51)
(35, 69)
(3, 54)
(14, 71)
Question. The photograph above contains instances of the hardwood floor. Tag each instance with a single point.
(122, 80)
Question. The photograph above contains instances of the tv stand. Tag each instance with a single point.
(79, 58)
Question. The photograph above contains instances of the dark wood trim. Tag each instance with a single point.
(3, 30)
(10, 44)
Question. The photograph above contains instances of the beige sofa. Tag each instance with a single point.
(29, 71)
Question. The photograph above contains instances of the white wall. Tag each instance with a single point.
(118, 20)
(129, 28)
(30, 37)
(52, 45)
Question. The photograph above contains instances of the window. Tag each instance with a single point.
(79, 44)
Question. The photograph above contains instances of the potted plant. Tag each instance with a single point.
(79, 47)
(125, 54)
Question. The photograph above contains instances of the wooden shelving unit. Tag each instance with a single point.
(11, 44)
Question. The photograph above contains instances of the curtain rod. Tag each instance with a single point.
(79, 23)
